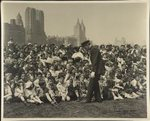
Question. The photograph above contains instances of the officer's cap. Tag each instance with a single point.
(85, 43)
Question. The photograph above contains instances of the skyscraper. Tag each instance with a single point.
(34, 26)
(14, 30)
(19, 20)
(79, 32)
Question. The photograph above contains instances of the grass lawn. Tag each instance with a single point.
(127, 108)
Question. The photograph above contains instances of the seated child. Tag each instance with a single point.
(136, 87)
(7, 92)
(117, 88)
(19, 92)
(63, 89)
(51, 95)
(83, 86)
(127, 92)
(77, 85)
(39, 84)
(71, 90)
(107, 92)
(30, 93)
(48, 94)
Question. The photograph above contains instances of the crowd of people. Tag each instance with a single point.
(48, 73)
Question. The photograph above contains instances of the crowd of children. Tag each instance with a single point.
(49, 73)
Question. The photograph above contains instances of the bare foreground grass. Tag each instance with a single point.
(127, 108)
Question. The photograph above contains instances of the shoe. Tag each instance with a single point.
(99, 101)
(78, 100)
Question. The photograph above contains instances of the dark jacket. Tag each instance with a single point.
(96, 60)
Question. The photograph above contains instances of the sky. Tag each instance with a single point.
(103, 21)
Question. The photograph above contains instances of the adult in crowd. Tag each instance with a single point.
(97, 70)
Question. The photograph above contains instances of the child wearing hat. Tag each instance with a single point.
(30, 93)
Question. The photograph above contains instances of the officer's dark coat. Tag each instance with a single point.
(96, 60)
(98, 68)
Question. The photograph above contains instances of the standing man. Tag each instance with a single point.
(97, 70)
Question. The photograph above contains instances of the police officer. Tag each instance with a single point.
(97, 70)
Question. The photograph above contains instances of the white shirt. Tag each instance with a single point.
(36, 83)
(61, 88)
(78, 54)
(133, 83)
(7, 90)
(18, 91)
(28, 84)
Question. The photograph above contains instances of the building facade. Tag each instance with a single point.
(34, 26)
(79, 32)
(79, 35)
(15, 30)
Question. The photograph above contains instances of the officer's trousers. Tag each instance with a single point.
(93, 89)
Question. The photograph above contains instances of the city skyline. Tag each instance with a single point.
(104, 22)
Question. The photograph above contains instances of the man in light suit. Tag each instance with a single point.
(98, 69)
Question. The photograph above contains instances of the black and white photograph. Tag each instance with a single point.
(75, 60)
